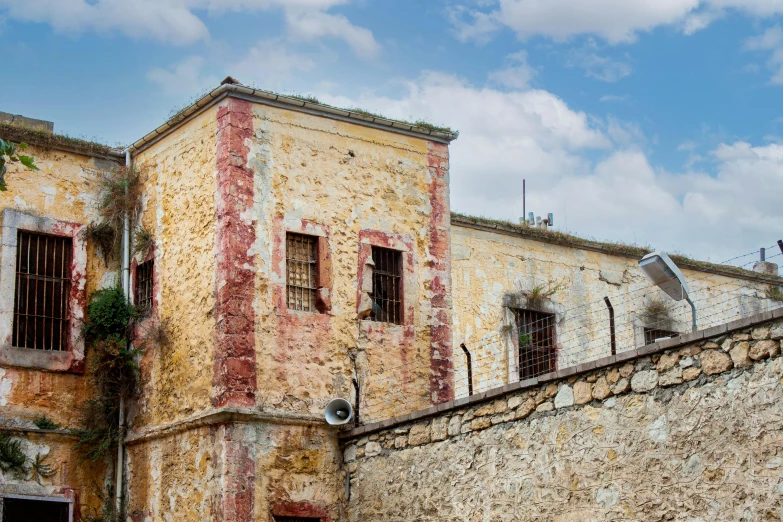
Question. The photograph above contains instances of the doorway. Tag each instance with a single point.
(40, 510)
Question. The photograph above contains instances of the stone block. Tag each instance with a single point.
(644, 381)
(500, 406)
(550, 390)
(419, 434)
(727, 345)
(601, 389)
(621, 386)
(350, 453)
(714, 362)
(776, 331)
(613, 375)
(739, 354)
(486, 409)
(525, 409)
(547, 406)
(741, 336)
(687, 362)
(564, 397)
(401, 442)
(455, 425)
(480, 424)
(515, 401)
(710, 345)
(667, 361)
(440, 428)
(372, 449)
(763, 349)
(626, 370)
(690, 374)
(671, 377)
(690, 351)
(583, 392)
(760, 333)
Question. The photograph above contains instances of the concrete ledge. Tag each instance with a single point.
(602, 363)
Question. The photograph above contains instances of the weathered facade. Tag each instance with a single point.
(299, 253)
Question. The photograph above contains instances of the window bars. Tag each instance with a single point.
(144, 287)
(43, 287)
(537, 347)
(301, 271)
(651, 334)
(386, 286)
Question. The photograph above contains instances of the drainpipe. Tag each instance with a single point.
(470, 368)
(126, 289)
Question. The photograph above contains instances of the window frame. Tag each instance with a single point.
(396, 276)
(527, 369)
(70, 359)
(149, 261)
(647, 331)
(315, 245)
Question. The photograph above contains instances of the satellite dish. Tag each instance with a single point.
(338, 412)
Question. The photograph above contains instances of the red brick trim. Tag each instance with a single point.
(438, 273)
(234, 373)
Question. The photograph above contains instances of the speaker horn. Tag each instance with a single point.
(338, 412)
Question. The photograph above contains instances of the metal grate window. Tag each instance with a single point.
(537, 347)
(144, 286)
(43, 287)
(651, 334)
(386, 286)
(301, 271)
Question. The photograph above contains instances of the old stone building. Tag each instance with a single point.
(299, 253)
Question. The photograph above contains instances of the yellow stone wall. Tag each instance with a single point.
(178, 177)
(493, 270)
(347, 178)
(63, 189)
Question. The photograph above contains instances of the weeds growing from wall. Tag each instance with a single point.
(657, 311)
(142, 242)
(119, 194)
(43, 422)
(104, 237)
(12, 458)
(775, 293)
(114, 370)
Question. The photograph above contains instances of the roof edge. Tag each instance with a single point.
(48, 140)
(615, 249)
(293, 103)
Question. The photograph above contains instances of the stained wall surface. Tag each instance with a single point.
(64, 190)
(493, 273)
(689, 433)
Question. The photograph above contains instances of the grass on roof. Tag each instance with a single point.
(44, 139)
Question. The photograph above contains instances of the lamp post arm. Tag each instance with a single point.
(693, 311)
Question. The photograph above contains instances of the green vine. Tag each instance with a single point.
(113, 367)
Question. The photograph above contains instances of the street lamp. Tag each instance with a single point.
(664, 274)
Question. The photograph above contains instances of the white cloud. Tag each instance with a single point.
(184, 78)
(770, 40)
(506, 136)
(269, 64)
(597, 66)
(616, 21)
(517, 75)
(311, 25)
(176, 21)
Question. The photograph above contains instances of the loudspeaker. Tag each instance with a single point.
(338, 412)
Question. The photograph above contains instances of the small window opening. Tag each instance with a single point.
(301, 271)
(652, 334)
(27, 510)
(386, 286)
(144, 287)
(537, 347)
(43, 288)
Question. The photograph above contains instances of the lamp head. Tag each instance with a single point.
(663, 273)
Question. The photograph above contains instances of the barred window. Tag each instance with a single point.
(386, 286)
(301, 271)
(43, 288)
(651, 334)
(537, 354)
(144, 287)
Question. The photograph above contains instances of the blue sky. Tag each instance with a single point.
(655, 121)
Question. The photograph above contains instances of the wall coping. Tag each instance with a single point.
(598, 364)
(555, 237)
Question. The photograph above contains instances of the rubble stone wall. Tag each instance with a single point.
(692, 432)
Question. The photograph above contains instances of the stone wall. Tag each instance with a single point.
(63, 191)
(494, 268)
(680, 431)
